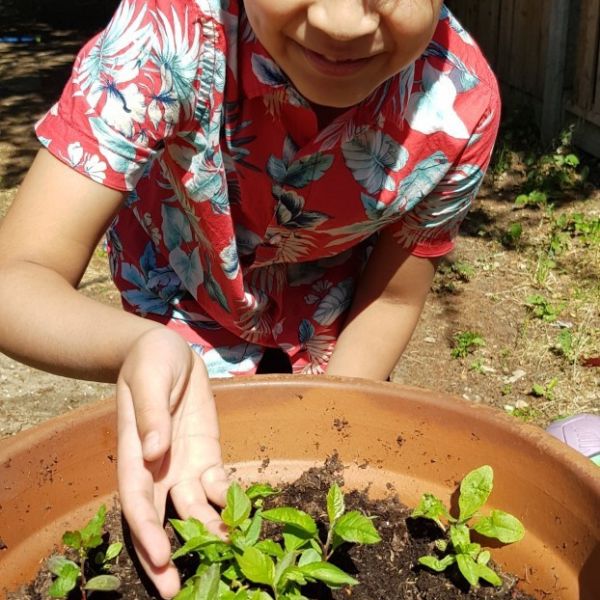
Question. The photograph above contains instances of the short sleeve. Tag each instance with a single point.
(430, 227)
(132, 87)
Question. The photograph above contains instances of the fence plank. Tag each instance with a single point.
(587, 55)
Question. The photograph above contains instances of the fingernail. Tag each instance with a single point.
(151, 443)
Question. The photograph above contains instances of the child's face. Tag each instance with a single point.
(336, 52)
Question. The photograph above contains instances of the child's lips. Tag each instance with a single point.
(334, 66)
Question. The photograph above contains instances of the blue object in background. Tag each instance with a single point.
(20, 39)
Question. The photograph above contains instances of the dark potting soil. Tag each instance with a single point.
(386, 571)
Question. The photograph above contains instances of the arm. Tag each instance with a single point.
(164, 399)
(385, 311)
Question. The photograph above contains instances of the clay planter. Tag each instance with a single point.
(55, 476)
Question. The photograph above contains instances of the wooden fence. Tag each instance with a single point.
(546, 53)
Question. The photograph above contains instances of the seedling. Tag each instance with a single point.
(543, 309)
(535, 198)
(544, 391)
(465, 342)
(253, 567)
(87, 542)
(471, 560)
(512, 236)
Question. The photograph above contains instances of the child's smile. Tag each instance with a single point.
(336, 52)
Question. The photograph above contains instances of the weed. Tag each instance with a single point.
(511, 238)
(544, 391)
(471, 559)
(543, 309)
(87, 542)
(565, 345)
(463, 270)
(251, 568)
(465, 342)
(535, 198)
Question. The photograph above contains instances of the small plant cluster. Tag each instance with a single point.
(251, 567)
(465, 342)
(93, 555)
(458, 549)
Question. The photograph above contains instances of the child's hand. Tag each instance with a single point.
(168, 443)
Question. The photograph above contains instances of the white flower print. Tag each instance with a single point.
(123, 108)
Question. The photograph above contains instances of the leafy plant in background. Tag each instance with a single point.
(457, 548)
(544, 391)
(543, 309)
(251, 567)
(511, 238)
(88, 543)
(465, 342)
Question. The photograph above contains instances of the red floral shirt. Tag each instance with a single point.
(245, 225)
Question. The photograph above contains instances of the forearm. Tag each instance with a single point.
(372, 341)
(47, 324)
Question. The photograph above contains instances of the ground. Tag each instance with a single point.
(538, 366)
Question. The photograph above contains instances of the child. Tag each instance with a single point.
(276, 175)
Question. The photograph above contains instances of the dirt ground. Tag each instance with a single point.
(481, 290)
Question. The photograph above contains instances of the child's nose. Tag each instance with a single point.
(343, 20)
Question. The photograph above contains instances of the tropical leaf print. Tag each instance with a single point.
(214, 290)
(318, 347)
(423, 179)
(299, 173)
(292, 246)
(267, 71)
(116, 57)
(432, 110)
(335, 303)
(188, 267)
(119, 153)
(463, 33)
(270, 278)
(176, 229)
(372, 156)
(92, 164)
(155, 289)
(290, 213)
(247, 241)
(460, 72)
(229, 260)
(229, 361)
(307, 169)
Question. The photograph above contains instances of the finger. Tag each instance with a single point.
(149, 395)
(190, 501)
(165, 578)
(142, 505)
(215, 484)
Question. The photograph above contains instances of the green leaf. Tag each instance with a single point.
(238, 506)
(200, 543)
(284, 563)
(436, 564)
(489, 575)
(103, 583)
(431, 507)
(469, 568)
(441, 545)
(72, 539)
(270, 547)
(257, 567)
(484, 557)
(58, 564)
(260, 490)
(475, 489)
(113, 551)
(294, 540)
(190, 528)
(356, 528)
(61, 587)
(91, 534)
(308, 557)
(335, 503)
(501, 526)
(328, 573)
(206, 587)
(297, 519)
(460, 536)
(253, 531)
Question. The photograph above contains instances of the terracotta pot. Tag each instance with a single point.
(55, 476)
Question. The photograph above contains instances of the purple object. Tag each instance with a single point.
(581, 432)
